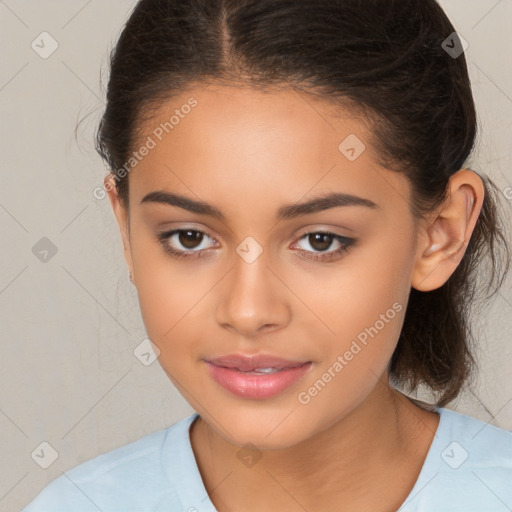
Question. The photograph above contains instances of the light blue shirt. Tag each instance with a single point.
(468, 469)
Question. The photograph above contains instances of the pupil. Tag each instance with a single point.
(323, 239)
(189, 238)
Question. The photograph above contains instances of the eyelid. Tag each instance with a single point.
(331, 230)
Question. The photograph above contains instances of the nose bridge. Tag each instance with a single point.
(252, 297)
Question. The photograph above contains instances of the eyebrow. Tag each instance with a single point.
(317, 204)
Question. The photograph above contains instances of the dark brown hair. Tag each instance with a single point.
(384, 58)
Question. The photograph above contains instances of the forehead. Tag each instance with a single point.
(215, 139)
(240, 112)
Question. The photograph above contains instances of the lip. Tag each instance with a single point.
(228, 371)
(251, 362)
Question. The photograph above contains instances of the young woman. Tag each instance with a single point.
(289, 180)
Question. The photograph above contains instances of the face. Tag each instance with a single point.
(326, 285)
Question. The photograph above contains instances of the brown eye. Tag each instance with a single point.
(189, 238)
(183, 243)
(320, 241)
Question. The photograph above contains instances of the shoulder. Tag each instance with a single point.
(135, 476)
(483, 443)
(468, 468)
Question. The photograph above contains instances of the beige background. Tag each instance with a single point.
(69, 326)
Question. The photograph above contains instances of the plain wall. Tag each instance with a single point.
(70, 325)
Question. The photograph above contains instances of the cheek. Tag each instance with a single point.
(364, 305)
(170, 297)
(171, 316)
(350, 295)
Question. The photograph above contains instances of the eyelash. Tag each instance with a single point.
(346, 244)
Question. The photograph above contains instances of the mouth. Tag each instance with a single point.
(259, 371)
(256, 377)
(260, 363)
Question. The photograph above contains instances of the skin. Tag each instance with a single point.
(358, 444)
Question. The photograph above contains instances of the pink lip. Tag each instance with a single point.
(248, 362)
(227, 371)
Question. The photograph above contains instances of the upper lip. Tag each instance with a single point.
(252, 362)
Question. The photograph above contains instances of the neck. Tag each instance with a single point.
(370, 444)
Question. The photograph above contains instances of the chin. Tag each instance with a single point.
(261, 429)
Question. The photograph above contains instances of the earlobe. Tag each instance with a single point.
(443, 239)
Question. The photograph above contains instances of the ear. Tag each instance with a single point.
(123, 219)
(444, 237)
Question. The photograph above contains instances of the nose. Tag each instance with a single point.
(252, 299)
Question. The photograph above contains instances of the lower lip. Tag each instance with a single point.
(256, 386)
